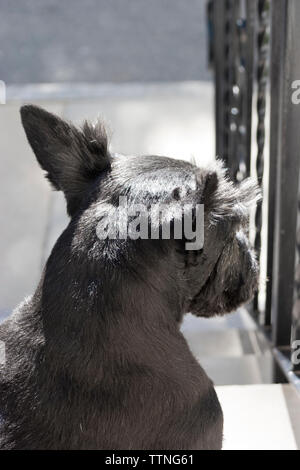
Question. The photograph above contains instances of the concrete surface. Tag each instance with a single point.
(101, 40)
(258, 417)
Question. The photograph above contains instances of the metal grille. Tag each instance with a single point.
(233, 39)
(255, 49)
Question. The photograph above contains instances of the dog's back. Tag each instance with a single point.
(161, 402)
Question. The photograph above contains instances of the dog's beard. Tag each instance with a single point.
(226, 289)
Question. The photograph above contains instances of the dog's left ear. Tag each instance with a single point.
(210, 185)
(72, 158)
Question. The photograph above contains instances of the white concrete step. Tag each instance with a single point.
(260, 417)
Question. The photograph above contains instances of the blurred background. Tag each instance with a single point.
(143, 68)
(102, 41)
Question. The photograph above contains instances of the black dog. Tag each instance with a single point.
(95, 358)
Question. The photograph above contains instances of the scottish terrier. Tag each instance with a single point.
(95, 358)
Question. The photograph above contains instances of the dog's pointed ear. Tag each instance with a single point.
(71, 157)
(210, 185)
(207, 185)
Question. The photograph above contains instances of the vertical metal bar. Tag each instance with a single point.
(210, 32)
(250, 15)
(229, 26)
(263, 41)
(278, 39)
(287, 184)
(233, 91)
(219, 65)
(296, 300)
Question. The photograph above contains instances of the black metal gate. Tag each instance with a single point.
(255, 55)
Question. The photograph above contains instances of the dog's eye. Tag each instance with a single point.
(176, 194)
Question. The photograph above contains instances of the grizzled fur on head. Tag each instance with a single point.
(95, 358)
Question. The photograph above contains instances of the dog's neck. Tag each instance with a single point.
(89, 323)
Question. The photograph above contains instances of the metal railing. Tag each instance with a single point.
(255, 56)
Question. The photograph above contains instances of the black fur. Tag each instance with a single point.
(95, 358)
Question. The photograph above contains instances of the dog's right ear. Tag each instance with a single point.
(72, 158)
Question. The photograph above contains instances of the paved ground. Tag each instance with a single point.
(102, 40)
(260, 417)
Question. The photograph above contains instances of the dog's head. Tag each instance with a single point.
(211, 263)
